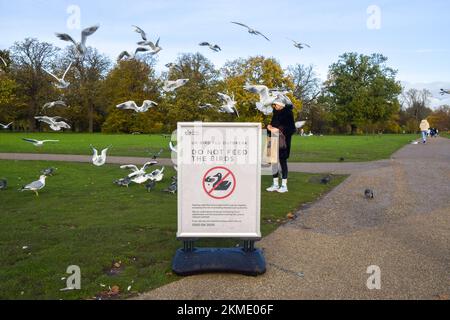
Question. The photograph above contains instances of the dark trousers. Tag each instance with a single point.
(284, 169)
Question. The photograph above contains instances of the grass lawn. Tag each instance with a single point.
(304, 149)
(82, 219)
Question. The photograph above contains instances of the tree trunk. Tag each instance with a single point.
(354, 129)
(91, 118)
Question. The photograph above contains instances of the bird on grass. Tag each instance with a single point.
(251, 30)
(99, 159)
(150, 186)
(229, 105)
(6, 126)
(3, 184)
(173, 188)
(38, 143)
(49, 171)
(35, 186)
(80, 46)
(368, 193)
(341, 159)
(156, 175)
(124, 182)
(326, 180)
(62, 84)
(131, 105)
(157, 155)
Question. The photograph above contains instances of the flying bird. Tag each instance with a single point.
(157, 155)
(172, 147)
(300, 124)
(141, 32)
(135, 171)
(35, 186)
(62, 84)
(3, 184)
(131, 105)
(81, 46)
(213, 47)
(206, 106)
(266, 99)
(154, 46)
(99, 159)
(126, 54)
(229, 105)
(251, 30)
(300, 45)
(445, 91)
(4, 62)
(54, 104)
(6, 126)
(53, 122)
(38, 143)
(157, 175)
(170, 86)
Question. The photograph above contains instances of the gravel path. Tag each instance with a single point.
(325, 253)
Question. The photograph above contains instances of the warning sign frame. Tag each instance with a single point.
(244, 198)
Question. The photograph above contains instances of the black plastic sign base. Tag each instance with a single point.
(209, 260)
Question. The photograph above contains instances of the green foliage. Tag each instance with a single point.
(362, 89)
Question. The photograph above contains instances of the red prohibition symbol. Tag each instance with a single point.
(219, 183)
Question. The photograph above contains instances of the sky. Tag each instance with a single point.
(412, 34)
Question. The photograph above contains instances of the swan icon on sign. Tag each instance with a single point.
(218, 183)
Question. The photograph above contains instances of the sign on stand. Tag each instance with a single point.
(219, 195)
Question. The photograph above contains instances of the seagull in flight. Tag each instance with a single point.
(4, 62)
(300, 124)
(35, 186)
(6, 126)
(300, 45)
(135, 171)
(251, 30)
(445, 91)
(131, 105)
(81, 46)
(141, 32)
(154, 46)
(62, 84)
(229, 105)
(213, 47)
(99, 159)
(55, 125)
(129, 56)
(170, 86)
(266, 98)
(38, 143)
(54, 104)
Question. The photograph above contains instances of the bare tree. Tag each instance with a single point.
(29, 58)
(415, 103)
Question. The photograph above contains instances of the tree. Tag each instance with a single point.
(255, 70)
(132, 80)
(307, 85)
(29, 58)
(363, 89)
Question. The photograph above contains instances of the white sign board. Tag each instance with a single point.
(219, 180)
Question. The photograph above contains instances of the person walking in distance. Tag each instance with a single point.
(424, 127)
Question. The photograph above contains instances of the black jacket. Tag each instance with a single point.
(284, 121)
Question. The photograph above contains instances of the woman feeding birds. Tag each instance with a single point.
(282, 124)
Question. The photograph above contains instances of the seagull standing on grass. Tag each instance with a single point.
(38, 143)
(3, 184)
(131, 105)
(62, 84)
(99, 160)
(35, 186)
(6, 126)
(170, 86)
(251, 30)
(229, 105)
(55, 125)
(81, 46)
